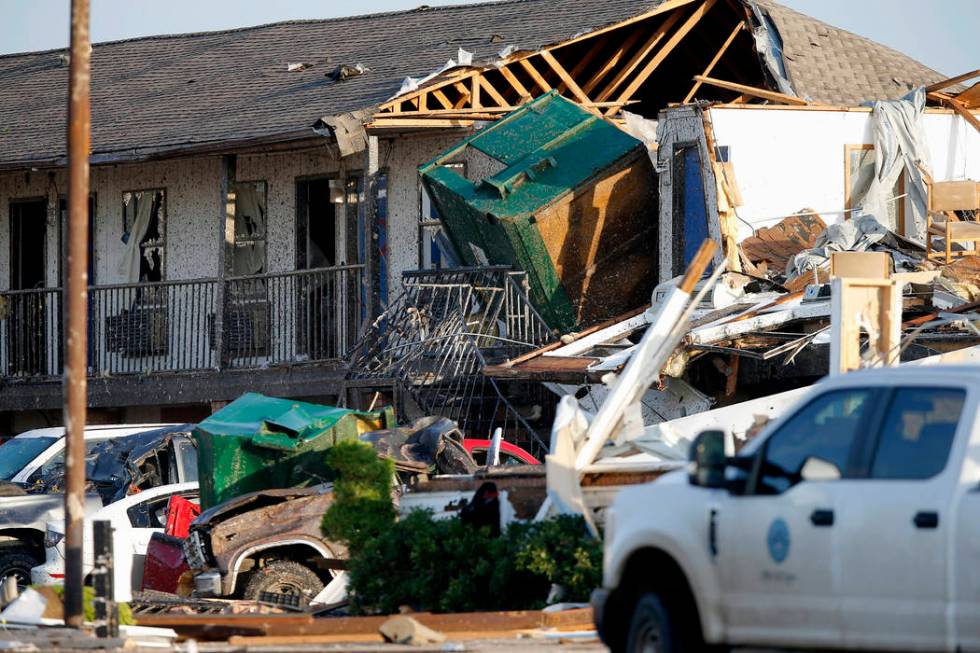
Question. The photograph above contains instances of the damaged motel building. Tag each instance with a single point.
(257, 198)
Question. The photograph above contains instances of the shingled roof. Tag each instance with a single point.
(832, 65)
(162, 93)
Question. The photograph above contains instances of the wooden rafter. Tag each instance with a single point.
(662, 53)
(639, 56)
(442, 99)
(765, 94)
(514, 82)
(958, 107)
(565, 77)
(611, 63)
(491, 91)
(946, 83)
(714, 60)
(535, 75)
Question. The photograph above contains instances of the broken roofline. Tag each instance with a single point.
(602, 79)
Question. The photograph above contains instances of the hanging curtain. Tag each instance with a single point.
(250, 228)
(129, 266)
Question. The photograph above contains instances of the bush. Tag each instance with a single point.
(361, 508)
(447, 566)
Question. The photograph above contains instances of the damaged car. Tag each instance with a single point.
(270, 541)
(119, 462)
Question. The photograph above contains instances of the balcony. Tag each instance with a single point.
(203, 325)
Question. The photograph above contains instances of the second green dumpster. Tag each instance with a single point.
(259, 443)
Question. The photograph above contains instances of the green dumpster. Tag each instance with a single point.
(562, 194)
(259, 443)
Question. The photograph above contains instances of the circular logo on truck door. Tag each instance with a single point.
(778, 540)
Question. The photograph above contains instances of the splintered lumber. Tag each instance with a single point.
(754, 91)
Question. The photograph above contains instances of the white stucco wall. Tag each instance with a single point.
(788, 159)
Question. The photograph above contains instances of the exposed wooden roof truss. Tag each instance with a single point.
(650, 60)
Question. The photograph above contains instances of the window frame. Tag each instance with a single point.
(872, 437)
(899, 214)
(857, 457)
(165, 211)
(265, 236)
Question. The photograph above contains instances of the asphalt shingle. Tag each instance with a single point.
(193, 89)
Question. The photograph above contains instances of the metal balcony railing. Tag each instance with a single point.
(177, 326)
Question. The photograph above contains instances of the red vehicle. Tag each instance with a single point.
(510, 454)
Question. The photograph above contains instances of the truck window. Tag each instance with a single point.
(917, 433)
(824, 429)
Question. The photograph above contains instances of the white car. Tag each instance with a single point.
(24, 454)
(134, 520)
(851, 522)
(29, 457)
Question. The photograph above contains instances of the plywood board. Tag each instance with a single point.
(860, 265)
(954, 196)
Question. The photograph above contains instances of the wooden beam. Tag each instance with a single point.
(946, 83)
(515, 83)
(715, 59)
(491, 91)
(475, 91)
(752, 90)
(639, 56)
(464, 95)
(662, 8)
(443, 100)
(565, 77)
(382, 123)
(611, 63)
(668, 47)
(535, 75)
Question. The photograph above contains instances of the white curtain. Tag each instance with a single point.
(249, 226)
(129, 266)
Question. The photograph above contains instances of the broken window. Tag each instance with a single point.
(249, 256)
(859, 171)
(144, 233)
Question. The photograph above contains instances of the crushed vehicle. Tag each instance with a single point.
(737, 550)
(118, 462)
(270, 540)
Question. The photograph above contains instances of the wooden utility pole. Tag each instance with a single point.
(76, 306)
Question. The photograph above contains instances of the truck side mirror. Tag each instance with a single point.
(708, 459)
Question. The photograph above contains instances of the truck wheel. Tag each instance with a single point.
(17, 563)
(651, 629)
(283, 577)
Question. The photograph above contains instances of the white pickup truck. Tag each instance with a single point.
(852, 522)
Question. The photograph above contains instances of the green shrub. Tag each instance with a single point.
(446, 566)
(362, 507)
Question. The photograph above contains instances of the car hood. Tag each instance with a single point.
(254, 501)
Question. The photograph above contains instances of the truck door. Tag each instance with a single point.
(893, 525)
(776, 541)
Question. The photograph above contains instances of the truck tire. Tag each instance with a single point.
(651, 629)
(17, 563)
(283, 577)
